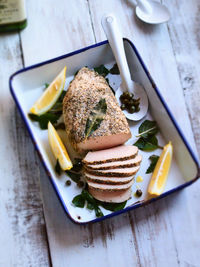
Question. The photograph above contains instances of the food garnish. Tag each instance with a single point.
(96, 117)
(138, 193)
(160, 174)
(45, 118)
(147, 133)
(58, 148)
(50, 95)
(154, 160)
(58, 168)
(129, 103)
(68, 182)
(102, 70)
(114, 70)
(92, 204)
(139, 179)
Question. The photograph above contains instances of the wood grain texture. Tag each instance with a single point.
(161, 234)
(23, 234)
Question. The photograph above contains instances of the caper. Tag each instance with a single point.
(123, 107)
(137, 109)
(132, 109)
(137, 101)
(126, 94)
(68, 182)
(126, 101)
(121, 97)
(131, 102)
(138, 192)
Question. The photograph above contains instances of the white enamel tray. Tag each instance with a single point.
(26, 86)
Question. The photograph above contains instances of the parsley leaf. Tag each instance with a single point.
(74, 176)
(45, 118)
(114, 70)
(79, 201)
(154, 160)
(148, 128)
(58, 168)
(46, 85)
(102, 70)
(113, 206)
(147, 141)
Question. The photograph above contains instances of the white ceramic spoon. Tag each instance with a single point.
(152, 12)
(115, 40)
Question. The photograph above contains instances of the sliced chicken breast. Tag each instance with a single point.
(108, 180)
(111, 196)
(118, 153)
(116, 164)
(108, 187)
(123, 172)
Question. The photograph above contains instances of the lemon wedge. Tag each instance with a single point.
(159, 176)
(50, 95)
(58, 148)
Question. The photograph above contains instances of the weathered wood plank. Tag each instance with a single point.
(23, 233)
(93, 244)
(184, 31)
(158, 226)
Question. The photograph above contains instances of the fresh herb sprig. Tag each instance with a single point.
(154, 160)
(52, 115)
(92, 204)
(147, 136)
(45, 118)
(85, 197)
(95, 118)
(102, 70)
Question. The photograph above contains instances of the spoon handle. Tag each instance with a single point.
(111, 29)
(145, 6)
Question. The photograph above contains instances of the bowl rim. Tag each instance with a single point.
(171, 117)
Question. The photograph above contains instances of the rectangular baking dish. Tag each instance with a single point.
(25, 87)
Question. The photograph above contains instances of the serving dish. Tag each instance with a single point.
(26, 86)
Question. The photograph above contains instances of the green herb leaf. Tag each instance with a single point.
(110, 86)
(102, 70)
(44, 119)
(88, 197)
(46, 85)
(114, 70)
(98, 212)
(58, 168)
(96, 117)
(113, 206)
(154, 160)
(148, 128)
(77, 165)
(147, 144)
(74, 176)
(79, 201)
(90, 206)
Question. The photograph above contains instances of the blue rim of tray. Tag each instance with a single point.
(140, 203)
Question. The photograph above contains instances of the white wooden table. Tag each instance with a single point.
(34, 230)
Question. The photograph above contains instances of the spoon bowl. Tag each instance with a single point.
(140, 93)
(152, 12)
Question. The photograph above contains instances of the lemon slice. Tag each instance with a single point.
(58, 148)
(50, 95)
(159, 177)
